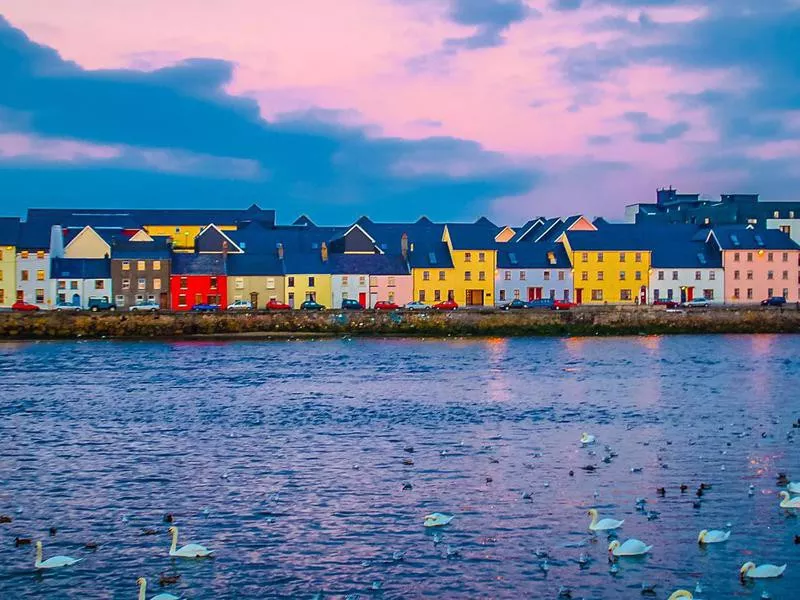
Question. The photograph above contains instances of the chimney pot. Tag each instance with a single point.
(323, 250)
(280, 251)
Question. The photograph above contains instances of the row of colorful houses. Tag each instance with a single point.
(181, 258)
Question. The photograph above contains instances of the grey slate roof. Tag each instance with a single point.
(9, 231)
(249, 264)
(532, 256)
(34, 235)
(158, 249)
(368, 264)
(610, 237)
(739, 237)
(184, 263)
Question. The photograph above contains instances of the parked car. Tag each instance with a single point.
(351, 304)
(205, 307)
(96, 304)
(24, 306)
(774, 301)
(417, 305)
(547, 303)
(515, 304)
(311, 305)
(274, 304)
(563, 305)
(148, 306)
(666, 302)
(63, 306)
(695, 302)
(240, 305)
(386, 305)
(446, 305)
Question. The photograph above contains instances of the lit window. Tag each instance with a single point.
(156, 265)
(40, 254)
(141, 284)
(99, 284)
(238, 283)
(40, 275)
(157, 284)
(140, 266)
(597, 295)
(126, 265)
(23, 254)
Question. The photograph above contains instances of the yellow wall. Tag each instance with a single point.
(610, 265)
(322, 287)
(8, 269)
(468, 263)
(430, 286)
(182, 235)
(87, 244)
(241, 286)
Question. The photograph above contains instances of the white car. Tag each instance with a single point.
(240, 305)
(63, 306)
(695, 302)
(416, 305)
(145, 307)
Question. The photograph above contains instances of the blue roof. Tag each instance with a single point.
(131, 218)
(9, 231)
(185, 263)
(158, 249)
(34, 235)
(740, 237)
(680, 246)
(525, 255)
(610, 237)
(249, 264)
(368, 264)
(473, 236)
(430, 256)
(80, 268)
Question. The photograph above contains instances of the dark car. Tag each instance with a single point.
(666, 302)
(205, 307)
(103, 303)
(311, 305)
(774, 301)
(515, 303)
(351, 304)
(547, 303)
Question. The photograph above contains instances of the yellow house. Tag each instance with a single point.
(183, 236)
(308, 275)
(610, 265)
(9, 230)
(474, 257)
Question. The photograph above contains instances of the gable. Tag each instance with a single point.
(140, 236)
(582, 224)
(355, 241)
(87, 244)
(505, 235)
(212, 240)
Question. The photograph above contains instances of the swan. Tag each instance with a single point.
(187, 551)
(788, 502)
(603, 524)
(629, 547)
(143, 589)
(53, 562)
(678, 594)
(436, 519)
(752, 571)
(713, 537)
(587, 438)
(793, 487)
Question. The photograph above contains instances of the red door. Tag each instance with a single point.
(530, 294)
(362, 299)
(578, 295)
(690, 293)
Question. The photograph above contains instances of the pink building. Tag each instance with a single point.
(397, 288)
(758, 263)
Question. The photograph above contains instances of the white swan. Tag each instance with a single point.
(681, 594)
(436, 519)
(629, 547)
(602, 524)
(143, 590)
(789, 502)
(587, 438)
(713, 537)
(752, 571)
(187, 551)
(53, 562)
(793, 487)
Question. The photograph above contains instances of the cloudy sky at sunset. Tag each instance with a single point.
(396, 108)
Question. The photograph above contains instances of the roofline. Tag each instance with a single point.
(204, 229)
(558, 221)
(371, 239)
(536, 221)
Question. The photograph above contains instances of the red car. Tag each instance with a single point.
(382, 305)
(23, 306)
(446, 305)
(666, 302)
(275, 305)
(562, 305)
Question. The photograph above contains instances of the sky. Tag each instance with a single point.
(396, 108)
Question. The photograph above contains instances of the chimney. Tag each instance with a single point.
(551, 257)
(224, 250)
(280, 251)
(323, 250)
(56, 242)
(404, 245)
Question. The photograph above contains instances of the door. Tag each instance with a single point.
(643, 295)
(474, 298)
(163, 301)
(20, 295)
(531, 294)
(362, 299)
(290, 300)
(578, 295)
(76, 300)
(254, 299)
(690, 293)
(198, 298)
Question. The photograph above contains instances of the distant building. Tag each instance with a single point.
(9, 235)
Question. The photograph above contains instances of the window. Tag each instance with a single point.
(625, 295)
(310, 282)
(507, 275)
(708, 294)
(126, 265)
(139, 298)
(141, 284)
(426, 276)
(621, 257)
(523, 275)
(441, 275)
(661, 275)
(749, 257)
(391, 297)
(362, 280)
(736, 274)
(584, 257)
(599, 276)
(561, 275)
(785, 257)
(656, 294)
(637, 276)
(238, 283)
(422, 295)
(481, 257)
(24, 276)
(785, 275)
(212, 283)
(120, 300)
(599, 257)
(566, 295)
(735, 257)
(502, 295)
(184, 283)
(345, 279)
(516, 294)
(270, 283)
(73, 285)
(749, 293)
(40, 254)
(481, 275)
(622, 275)
(467, 256)
(344, 296)
(39, 295)
(62, 285)
(467, 276)
(787, 229)
(552, 294)
(437, 295)
(450, 295)
(311, 296)
(181, 299)
(156, 265)
(669, 294)
(126, 284)
(750, 275)
(547, 275)
(392, 282)
(23, 254)
(99, 284)
(712, 275)
(40, 275)
(769, 256)
(290, 283)
(736, 293)
(674, 276)
(698, 275)
(776, 214)
(584, 275)
(157, 283)
(140, 266)
(597, 295)
(770, 275)
(637, 257)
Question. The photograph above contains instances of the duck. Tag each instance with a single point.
(587, 438)
(681, 594)
(189, 550)
(789, 502)
(142, 583)
(603, 524)
(18, 541)
(749, 569)
(793, 487)
(436, 519)
(629, 547)
(165, 579)
(53, 562)
(713, 537)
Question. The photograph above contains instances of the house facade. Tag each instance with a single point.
(140, 272)
(76, 280)
(198, 279)
(473, 253)
(9, 234)
(33, 263)
(257, 278)
(532, 271)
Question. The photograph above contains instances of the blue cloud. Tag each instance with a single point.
(313, 164)
(490, 17)
(599, 140)
(652, 131)
(565, 5)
